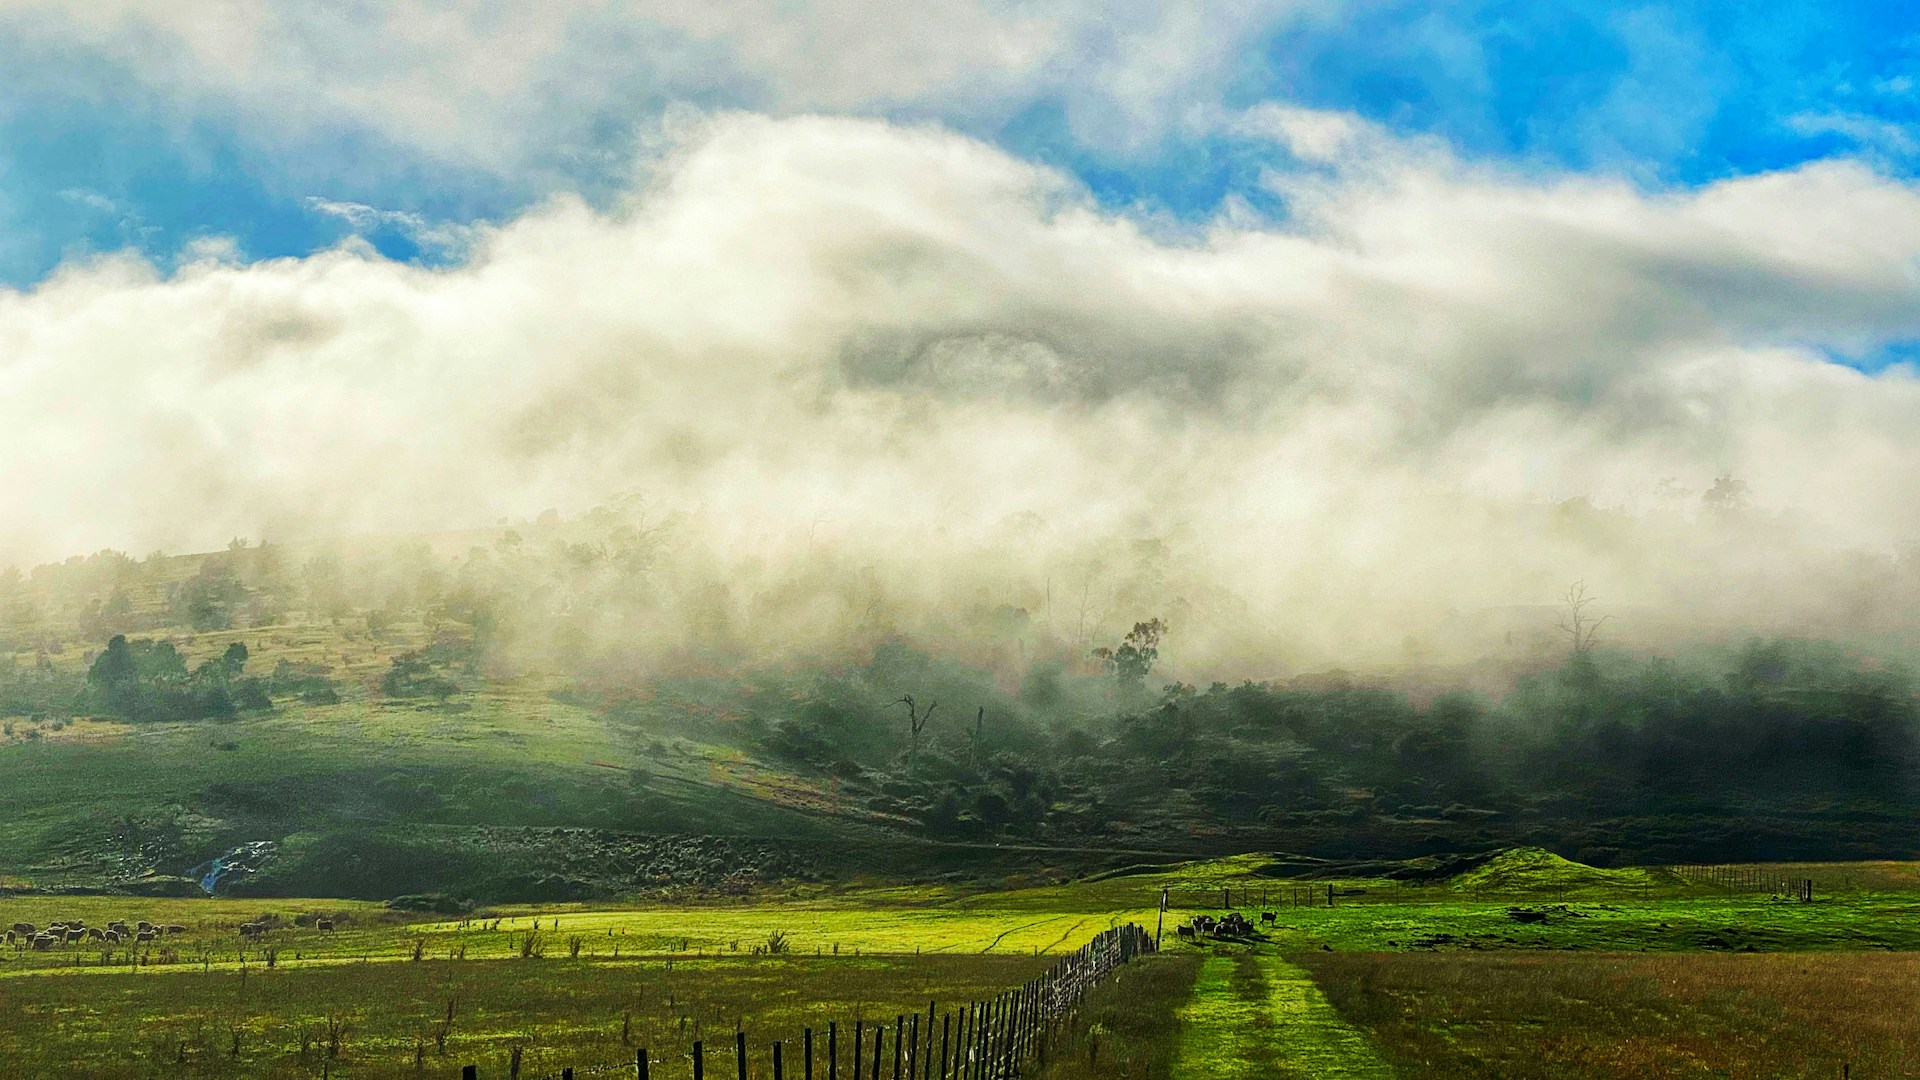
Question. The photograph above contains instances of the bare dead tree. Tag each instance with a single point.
(1580, 627)
(917, 720)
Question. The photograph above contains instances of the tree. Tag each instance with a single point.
(116, 674)
(1136, 655)
(1579, 627)
(1727, 496)
(917, 720)
(207, 600)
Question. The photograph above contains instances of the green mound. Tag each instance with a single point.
(1533, 869)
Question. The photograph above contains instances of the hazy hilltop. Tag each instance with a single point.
(609, 704)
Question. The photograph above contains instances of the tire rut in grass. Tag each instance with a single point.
(1253, 1016)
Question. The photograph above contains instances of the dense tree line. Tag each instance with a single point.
(1795, 728)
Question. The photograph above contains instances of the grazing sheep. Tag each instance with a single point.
(94, 933)
(323, 924)
(118, 925)
(1268, 916)
(1186, 932)
(25, 929)
(42, 942)
(112, 937)
(144, 935)
(174, 928)
(143, 925)
(76, 935)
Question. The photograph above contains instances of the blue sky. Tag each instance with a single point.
(100, 155)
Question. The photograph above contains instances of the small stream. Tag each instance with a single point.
(245, 859)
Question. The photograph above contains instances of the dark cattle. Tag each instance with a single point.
(1268, 916)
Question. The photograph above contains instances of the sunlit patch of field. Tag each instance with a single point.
(1521, 1016)
(82, 730)
(371, 933)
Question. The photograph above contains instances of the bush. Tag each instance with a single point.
(432, 903)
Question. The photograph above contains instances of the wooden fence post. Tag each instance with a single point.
(469, 1072)
(640, 1064)
(879, 1046)
(899, 1026)
(946, 1028)
(777, 1073)
(807, 1067)
(833, 1050)
(699, 1061)
(859, 1045)
(740, 1053)
(926, 1071)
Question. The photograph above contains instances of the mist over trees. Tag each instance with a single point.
(1075, 707)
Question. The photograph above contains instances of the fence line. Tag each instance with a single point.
(980, 1040)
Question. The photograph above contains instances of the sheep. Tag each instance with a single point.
(323, 924)
(76, 935)
(25, 929)
(112, 937)
(1268, 917)
(144, 936)
(42, 942)
(174, 928)
(1186, 932)
(94, 933)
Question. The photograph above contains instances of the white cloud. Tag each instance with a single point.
(915, 338)
(501, 86)
(440, 237)
(1870, 133)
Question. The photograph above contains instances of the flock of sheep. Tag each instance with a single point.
(24, 935)
(76, 931)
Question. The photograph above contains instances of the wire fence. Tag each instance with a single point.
(979, 1040)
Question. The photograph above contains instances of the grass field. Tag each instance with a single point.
(1524, 1016)
(1413, 983)
(561, 1012)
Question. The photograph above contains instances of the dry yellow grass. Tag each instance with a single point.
(1561, 1016)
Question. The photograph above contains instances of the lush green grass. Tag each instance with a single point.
(1255, 1015)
